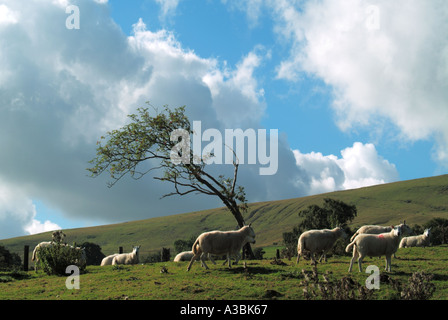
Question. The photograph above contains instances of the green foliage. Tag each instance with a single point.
(333, 213)
(184, 245)
(145, 137)
(56, 258)
(93, 253)
(439, 230)
(8, 260)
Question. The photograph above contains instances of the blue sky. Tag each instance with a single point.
(300, 109)
(356, 88)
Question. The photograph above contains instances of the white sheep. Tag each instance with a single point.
(373, 245)
(416, 241)
(184, 256)
(107, 261)
(220, 243)
(318, 241)
(127, 258)
(373, 229)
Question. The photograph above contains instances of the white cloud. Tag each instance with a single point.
(61, 89)
(388, 63)
(7, 16)
(167, 7)
(39, 227)
(17, 213)
(359, 166)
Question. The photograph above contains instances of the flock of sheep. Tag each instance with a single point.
(367, 241)
(370, 240)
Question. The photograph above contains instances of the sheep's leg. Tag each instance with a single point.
(229, 260)
(195, 257)
(211, 259)
(298, 257)
(360, 262)
(388, 263)
(355, 255)
(324, 254)
(313, 258)
(237, 258)
(203, 260)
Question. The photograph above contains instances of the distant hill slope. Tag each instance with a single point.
(415, 201)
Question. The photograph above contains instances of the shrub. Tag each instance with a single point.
(419, 287)
(345, 288)
(258, 253)
(9, 260)
(55, 259)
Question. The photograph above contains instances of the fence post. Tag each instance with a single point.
(26, 250)
(165, 255)
(120, 249)
(277, 254)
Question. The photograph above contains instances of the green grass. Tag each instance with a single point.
(261, 280)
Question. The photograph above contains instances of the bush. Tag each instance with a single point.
(55, 259)
(258, 253)
(9, 260)
(419, 287)
(93, 253)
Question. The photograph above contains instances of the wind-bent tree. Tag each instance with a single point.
(150, 139)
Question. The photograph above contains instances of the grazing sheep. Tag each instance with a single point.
(184, 256)
(127, 258)
(318, 241)
(416, 241)
(373, 229)
(372, 245)
(107, 261)
(220, 243)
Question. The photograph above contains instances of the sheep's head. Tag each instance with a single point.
(426, 233)
(250, 234)
(397, 230)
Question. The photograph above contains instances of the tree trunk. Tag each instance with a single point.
(247, 249)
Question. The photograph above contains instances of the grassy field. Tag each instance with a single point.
(260, 280)
(416, 201)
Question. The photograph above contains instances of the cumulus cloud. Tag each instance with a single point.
(17, 213)
(359, 166)
(61, 89)
(383, 59)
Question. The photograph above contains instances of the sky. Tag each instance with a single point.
(357, 89)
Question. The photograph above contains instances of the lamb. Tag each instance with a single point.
(220, 243)
(384, 244)
(127, 258)
(317, 241)
(416, 241)
(373, 229)
(107, 261)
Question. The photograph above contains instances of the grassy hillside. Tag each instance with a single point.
(260, 280)
(415, 201)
